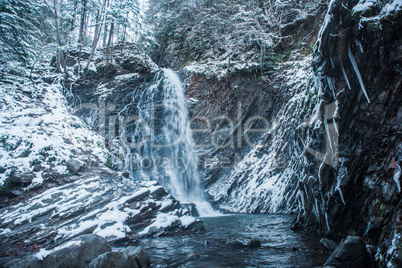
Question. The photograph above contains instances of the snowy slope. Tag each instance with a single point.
(37, 131)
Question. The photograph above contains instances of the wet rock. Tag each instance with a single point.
(140, 195)
(139, 255)
(193, 209)
(351, 252)
(125, 241)
(78, 253)
(17, 192)
(51, 176)
(243, 242)
(17, 179)
(159, 193)
(113, 259)
(125, 174)
(328, 244)
(195, 227)
(74, 166)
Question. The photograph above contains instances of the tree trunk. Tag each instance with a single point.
(81, 33)
(105, 34)
(110, 42)
(61, 61)
(98, 28)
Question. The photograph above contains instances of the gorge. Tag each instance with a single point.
(290, 110)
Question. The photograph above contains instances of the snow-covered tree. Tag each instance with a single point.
(19, 30)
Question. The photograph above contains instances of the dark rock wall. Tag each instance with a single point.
(370, 148)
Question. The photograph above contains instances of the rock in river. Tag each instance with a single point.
(243, 242)
(351, 252)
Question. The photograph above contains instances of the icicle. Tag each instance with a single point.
(396, 177)
(345, 76)
(321, 167)
(359, 45)
(331, 84)
(317, 212)
(335, 115)
(328, 134)
(326, 220)
(340, 193)
(354, 64)
(327, 19)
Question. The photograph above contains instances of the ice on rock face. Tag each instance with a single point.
(397, 176)
(267, 183)
(359, 77)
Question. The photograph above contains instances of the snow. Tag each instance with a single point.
(187, 220)
(126, 76)
(43, 253)
(363, 5)
(162, 221)
(263, 184)
(37, 126)
(105, 214)
(391, 7)
(392, 252)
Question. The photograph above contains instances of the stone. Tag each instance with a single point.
(159, 193)
(17, 179)
(113, 259)
(70, 254)
(139, 255)
(125, 174)
(328, 244)
(243, 242)
(140, 196)
(351, 252)
(51, 176)
(74, 166)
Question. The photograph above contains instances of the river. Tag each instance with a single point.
(280, 246)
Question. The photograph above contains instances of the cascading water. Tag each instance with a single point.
(162, 145)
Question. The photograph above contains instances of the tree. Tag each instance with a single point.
(19, 30)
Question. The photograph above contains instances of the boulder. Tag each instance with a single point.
(158, 193)
(243, 242)
(52, 176)
(74, 166)
(351, 252)
(17, 179)
(328, 244)
(139, 255)
(77, 253)
(113, 259)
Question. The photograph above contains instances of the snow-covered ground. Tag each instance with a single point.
(103, 205)
(37, 129)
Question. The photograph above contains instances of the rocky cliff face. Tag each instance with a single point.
(316, 133)
(358, 63)
(330, 148)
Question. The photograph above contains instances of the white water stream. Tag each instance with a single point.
(168, 154)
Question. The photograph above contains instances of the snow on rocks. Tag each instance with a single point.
(263, 181)
(38, 133)
(110, 206)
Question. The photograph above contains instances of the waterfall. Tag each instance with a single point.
(163, 144)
